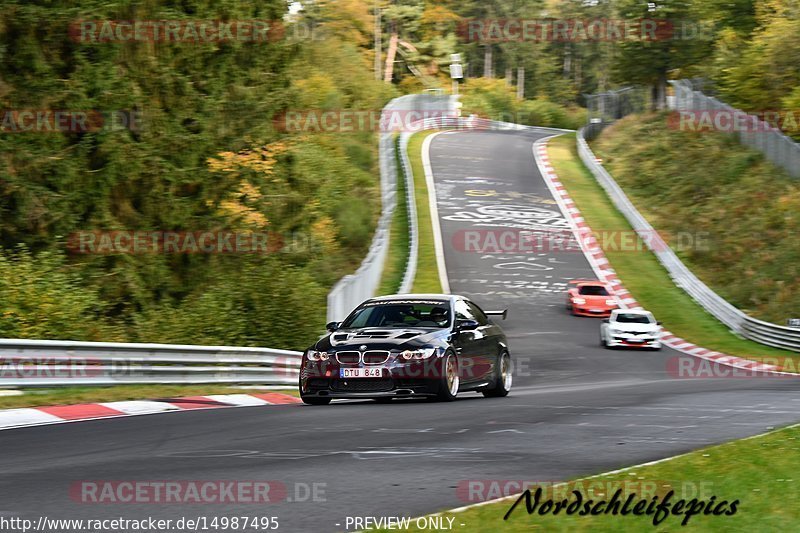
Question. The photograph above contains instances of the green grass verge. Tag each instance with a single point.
(760, 472)
(73, 395)
(730, 215)
(643, 275)
(427, 277)
(397, 256)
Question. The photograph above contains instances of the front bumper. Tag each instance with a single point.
(594, 311)
(623, 342)
(398, 380)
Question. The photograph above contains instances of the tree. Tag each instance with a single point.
(650, 61)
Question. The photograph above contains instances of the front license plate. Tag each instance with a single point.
(374, 372)
(635, 340)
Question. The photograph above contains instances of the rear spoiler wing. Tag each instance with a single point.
(503, 313)
(576, 281)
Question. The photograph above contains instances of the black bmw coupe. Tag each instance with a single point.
(413, 345)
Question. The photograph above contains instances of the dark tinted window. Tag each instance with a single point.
(593, 290)
(381, 314)
(629, 318)
(478, 314)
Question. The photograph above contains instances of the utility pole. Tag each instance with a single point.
(378, 44)
(520, 83)
(487, 61)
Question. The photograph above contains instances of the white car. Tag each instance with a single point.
(631, 328)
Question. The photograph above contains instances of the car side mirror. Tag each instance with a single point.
(466, 325)
(658, 323)
(332, 326)
(606, 320)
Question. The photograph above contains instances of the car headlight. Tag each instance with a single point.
(579, 301)
(614, 331)
(421, 353)
(314, 355)
(611, 302)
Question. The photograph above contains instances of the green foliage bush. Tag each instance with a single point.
(494, 99)
(43, 297)
(197, 102)
(746, 210)
(546, 113)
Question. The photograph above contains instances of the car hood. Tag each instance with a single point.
(382, 338)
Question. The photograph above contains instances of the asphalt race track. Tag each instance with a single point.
(575, 408)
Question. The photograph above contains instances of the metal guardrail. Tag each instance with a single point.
(746, 326)
(776, 147)
(26, 362)
(353, 289)
(605, 108)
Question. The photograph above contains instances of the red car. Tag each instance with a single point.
(590, 298)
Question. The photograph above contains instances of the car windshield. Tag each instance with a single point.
(632, 318)
(400, 314)
(592, 290)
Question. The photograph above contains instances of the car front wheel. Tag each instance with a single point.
(449, 381)
(603, 341)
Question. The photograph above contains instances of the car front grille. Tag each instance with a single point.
(370, 357)
(362, 385)
(348, 357)
(376, 357)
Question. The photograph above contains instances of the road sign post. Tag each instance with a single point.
(456, 70)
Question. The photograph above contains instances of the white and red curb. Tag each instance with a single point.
(602, 268)
(58, 414)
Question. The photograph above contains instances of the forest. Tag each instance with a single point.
(204, 153)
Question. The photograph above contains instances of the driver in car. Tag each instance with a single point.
(440, 316)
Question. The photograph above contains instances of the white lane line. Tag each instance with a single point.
(435, 226)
